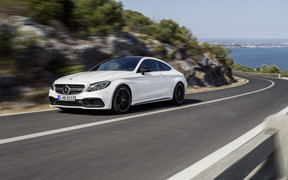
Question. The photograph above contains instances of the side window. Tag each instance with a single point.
(150, 64)
(164, 67)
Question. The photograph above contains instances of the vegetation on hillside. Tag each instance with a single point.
(97, 17)
(218, 52)
(44, 11)
(264, 69)
(102, 17)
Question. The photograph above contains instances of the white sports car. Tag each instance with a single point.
(118, 84)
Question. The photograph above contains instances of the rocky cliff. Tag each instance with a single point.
(50, 47)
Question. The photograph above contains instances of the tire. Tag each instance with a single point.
(179, 94)
(121, 100)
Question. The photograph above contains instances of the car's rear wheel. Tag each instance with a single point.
(179, 93)
(121, 100)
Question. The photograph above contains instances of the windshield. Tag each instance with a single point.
(121, 64)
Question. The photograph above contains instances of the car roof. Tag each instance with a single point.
(141, 57)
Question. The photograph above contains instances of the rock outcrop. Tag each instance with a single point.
(53, 44)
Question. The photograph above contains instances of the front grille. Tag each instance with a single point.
(93, 102)
(68, 103)
(73, 88)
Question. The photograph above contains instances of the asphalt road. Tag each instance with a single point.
(153, 146)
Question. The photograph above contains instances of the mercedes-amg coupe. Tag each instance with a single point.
(118, 84)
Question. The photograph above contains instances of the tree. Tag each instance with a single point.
(274, 69)
(229, 62)
(99, 17)
(43, 11)
(206, 47)
(169, 31)
(285, 73)
(238, 67)
(265, 68)
(270, 69)
(136, 21)
(188, 36)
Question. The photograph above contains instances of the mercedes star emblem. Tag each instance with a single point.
(66, 89)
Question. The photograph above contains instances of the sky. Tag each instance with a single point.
(220, 18)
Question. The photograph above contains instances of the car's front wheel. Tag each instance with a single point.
(121, 100)
(179, 93)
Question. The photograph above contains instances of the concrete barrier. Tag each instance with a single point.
(262, 158)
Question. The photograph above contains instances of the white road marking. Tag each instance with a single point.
(198, 167)
(61, 130)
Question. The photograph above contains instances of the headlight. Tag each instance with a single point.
(53, 86)
(98, 86)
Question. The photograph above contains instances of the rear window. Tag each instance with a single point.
(164, 67)
(154, 65)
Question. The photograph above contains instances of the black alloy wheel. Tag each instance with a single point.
(121, 100)
(179, 93)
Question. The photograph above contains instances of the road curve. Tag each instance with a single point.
(148, 145)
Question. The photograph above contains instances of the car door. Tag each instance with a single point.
(148, 86)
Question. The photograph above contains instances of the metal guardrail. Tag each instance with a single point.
(264, 157)
(275, 75)
(256, 159)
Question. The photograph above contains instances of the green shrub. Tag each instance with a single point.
(136, 22)
(263, 69)
(43, 11)
(98, 17)
(168, 31)
(269, 69)
(284, 73)
(219, 53)
(238, 67)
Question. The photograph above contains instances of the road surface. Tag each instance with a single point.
(152, 142)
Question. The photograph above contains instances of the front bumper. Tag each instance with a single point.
(86, 100)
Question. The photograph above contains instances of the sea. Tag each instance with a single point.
(256, 57)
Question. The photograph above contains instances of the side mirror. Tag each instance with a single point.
(144, 70)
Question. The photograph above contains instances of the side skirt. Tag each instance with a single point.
(152, 101)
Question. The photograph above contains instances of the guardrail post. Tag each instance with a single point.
(280, 123)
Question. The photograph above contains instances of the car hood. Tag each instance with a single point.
(92, 77)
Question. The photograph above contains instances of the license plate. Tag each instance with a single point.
(66, 98)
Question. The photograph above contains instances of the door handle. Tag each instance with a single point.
(161, 75)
